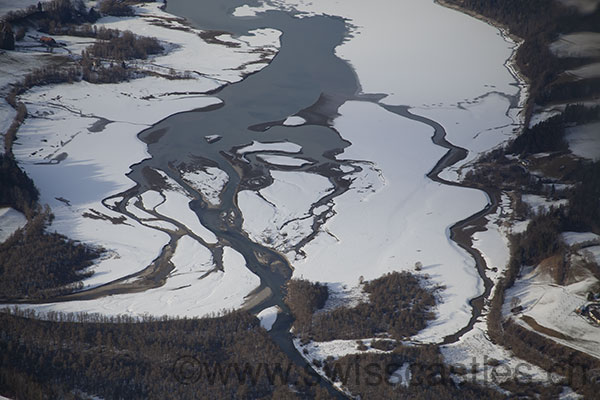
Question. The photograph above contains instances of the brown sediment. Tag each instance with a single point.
(256, 297)
(542, 329)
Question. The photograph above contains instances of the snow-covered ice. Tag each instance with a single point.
(177, 207)
(279, 215)
(294, 120)
(283, 160)
(284, 147)
(209, 181)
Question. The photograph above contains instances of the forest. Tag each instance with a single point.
(76, 356)
(37, 264)
(538, 23)
(400, 304)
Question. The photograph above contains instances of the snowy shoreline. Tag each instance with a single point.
(381, 186)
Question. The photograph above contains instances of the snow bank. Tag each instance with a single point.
(268, 316)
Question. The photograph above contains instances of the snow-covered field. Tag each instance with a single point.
(478, 356)
(553, 307)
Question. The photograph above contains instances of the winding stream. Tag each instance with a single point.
(305, 78)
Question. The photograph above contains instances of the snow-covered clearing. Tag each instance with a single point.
(478, 356)
(335, 348)
(10, 221)
(578, 238)
(401, 376)
(541, 204)
(586, 72)
(584, 140)
(343, 296)
(578, 44)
